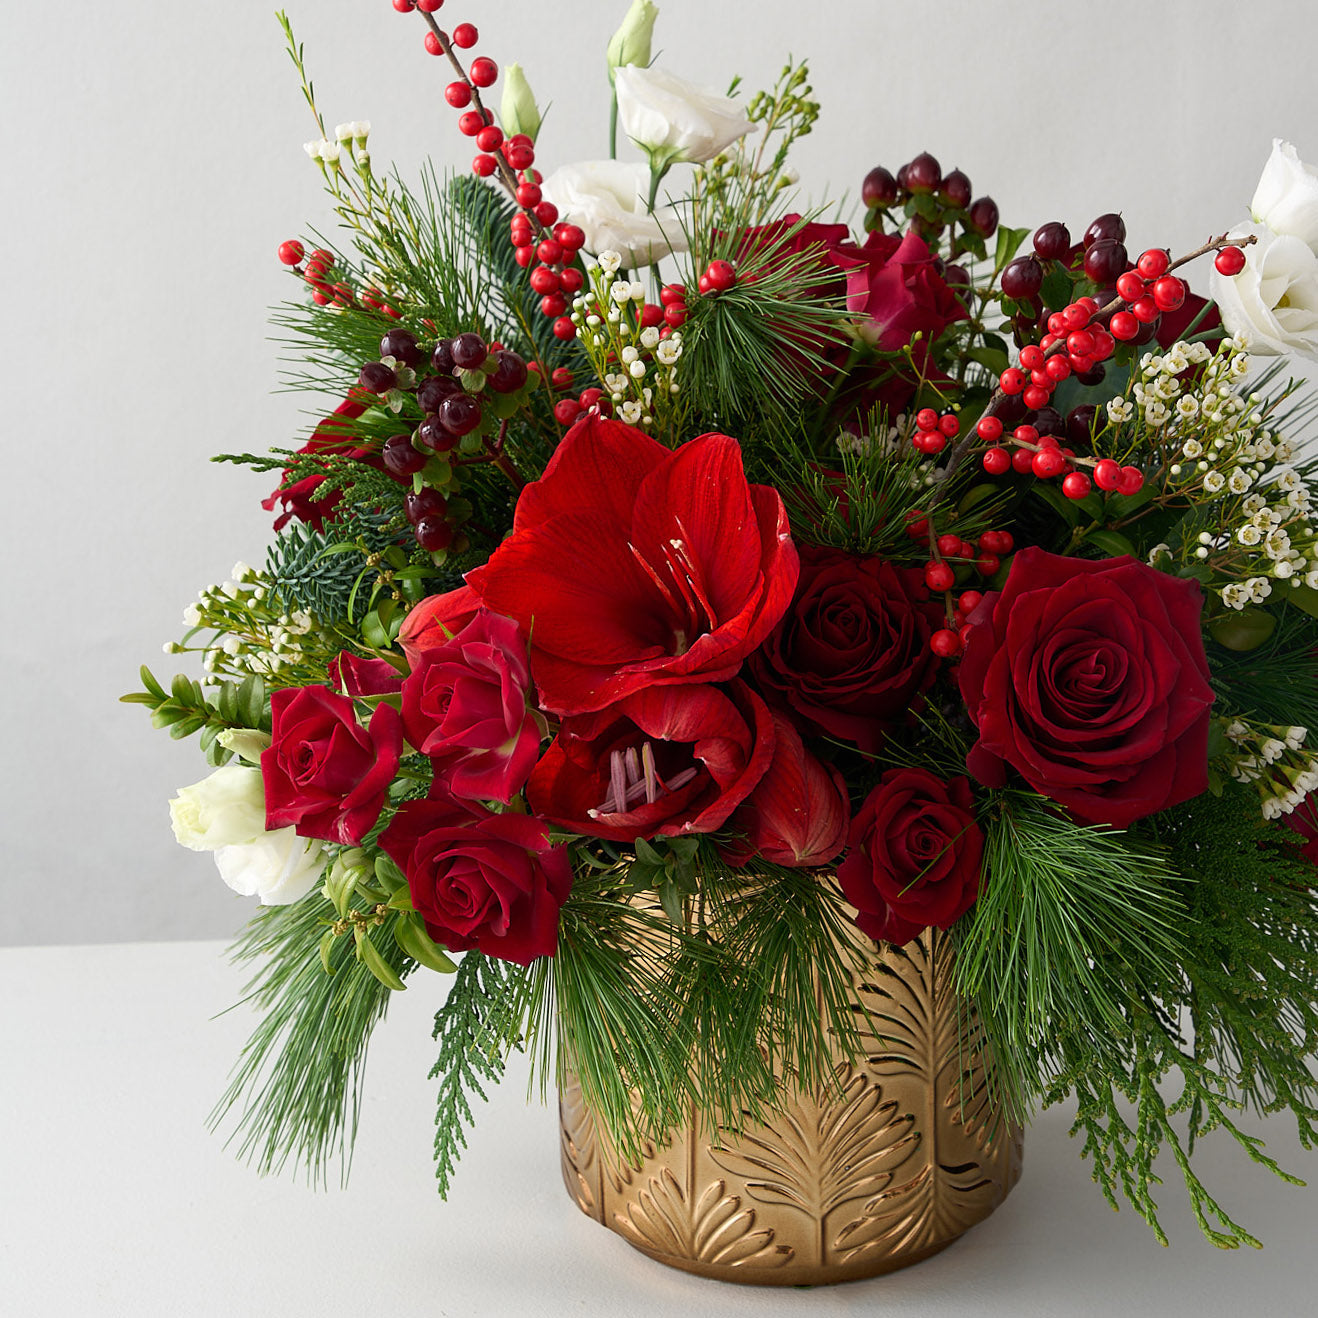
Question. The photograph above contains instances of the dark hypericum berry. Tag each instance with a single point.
(1048, 421)
(957, 276)
(1080, 423)
(400, 458)
(955, 189)
(442, 357)
(400, 344)
(1110, 225)
(460, 414)
(1105, 261)
(1022, 278)
(983, 216)
(469, 351)
(1094, 375)
(377, 378)
(1052, 241)
(1229, 261)
(424, 502)
(879, 188)
(432, 435)
(923, 174)
(509, 372)
(434, 389)
(433, 534)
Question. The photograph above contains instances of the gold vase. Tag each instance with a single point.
(890, 1164)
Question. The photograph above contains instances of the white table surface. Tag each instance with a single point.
(115, 1200)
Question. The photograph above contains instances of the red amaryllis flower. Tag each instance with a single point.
(492, 882)
(436, 620)
(331, 436)
(914, 857)
(796, 815)
(851, 655)
(632, 566)
(465, 706)
(1090, 680)
(323, 772)
(671, 760)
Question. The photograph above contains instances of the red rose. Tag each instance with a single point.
(914, 855)
(851, 654)
(465, 706)
(1303, 820)
(492, 882)
(671, 759)
(632, 566)
(323, 772)
(364, 677)
(788, 244)
(1089, 679)
(331, 436)
(436, 620)
(796, 815)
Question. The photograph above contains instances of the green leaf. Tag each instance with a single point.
(1111, 542)
(375, 963)
(326, 944)
(390, 876)
(1303, 597)
(670, 898)
(150, 683)
(1009, 241)
(410, 935)
(1058, 502)
(648, 854)
(996, 359)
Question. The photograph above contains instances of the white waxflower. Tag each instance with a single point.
(621, 292)
(649, 336)
(1156, 413)
(1233, 595)
(1192, 448)
(615, 384)
(192, 616)
(1119, 410)
(637, 370)
(630, 354)
(668, 351)
(630, 411)
(1239, 481)
(610, 261)
(1187, 407)
(1214, 482)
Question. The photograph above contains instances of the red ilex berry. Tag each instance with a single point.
(1011, 381)
(926, 418)
(555, 304)
(550, 251)
(1035, 397)
(1123, 326)
(1168, 293)
(471, 123)
(543, 280)
(1153, 263)
(1107, 474)
(1022, 461)
(652, 314)
(291, 252)
(566, 411)
(1145, 310)
(458, 95)
(671, 293)
(484, 72)
(721, 275)
(987, 564)
(675, 315)
(1058, 367)
(520, 231)
(404, 6)
(528, 194)
(1076, 485)
(524, 255)
(949, 545)
(519, 156)
(945, 644)
(572, 237)
(320, 257)
(465, 36)
(929, 441)
(429, 6)
(949, 425)
(546, 212)
(996, 461)
(1080, 343)
(938, 576)
(1026, 434)
(1130, 286)
(490, 138)
(1229, 261)
(917, 524)
(997, 542)
(571, 281)
(433, 44)
(591, 397)
(989, 429)
(484, 166)
(564, 328)
(1104, 344)
(561, 378)
(1047, 463)
(1075, 317)
(1131, 482)
(1032, 357)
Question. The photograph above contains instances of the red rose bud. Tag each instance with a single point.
(634, 574)
(324, 773)
(1097, 693)
(796, 815)
(465, 706)
(914, 854)
(492, 882)
(364, 677)
(436, 620)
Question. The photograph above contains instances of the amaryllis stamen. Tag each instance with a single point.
(633, 778)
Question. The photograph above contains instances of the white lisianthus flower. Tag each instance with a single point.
(1274, 299)
(1286, 199)
(630, 44)
(223, 810)
(606, 198)
(672, 119)
(279, 868)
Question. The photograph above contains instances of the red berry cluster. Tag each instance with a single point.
(317, 274)
(719, 276)
(673, 309)
(1074, 344)
(933, 431)
(1149, 290)
(1033, 454)
(551, 255)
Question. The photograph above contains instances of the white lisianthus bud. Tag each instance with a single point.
(607, 199)
(630, 44)
(672, 119)
(1274, 299)
(279, 868)
(518, 112)
(1286, 199)
(225, 809)
(247, 742)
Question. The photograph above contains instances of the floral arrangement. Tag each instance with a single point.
(681, 570)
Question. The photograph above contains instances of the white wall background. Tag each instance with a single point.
(153, 162)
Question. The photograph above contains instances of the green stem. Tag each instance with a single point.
(613, 122)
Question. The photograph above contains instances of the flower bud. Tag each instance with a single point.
(630, 44)
(518, 112)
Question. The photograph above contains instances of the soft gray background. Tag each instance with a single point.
(153, 162)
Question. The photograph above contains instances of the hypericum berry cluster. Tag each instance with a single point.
(931, 200)
(633, 344)
(1274, 759)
